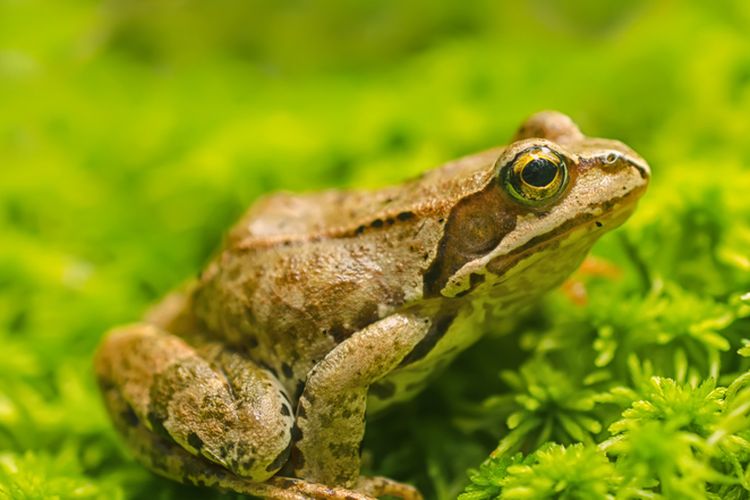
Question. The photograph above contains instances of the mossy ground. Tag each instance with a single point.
(133, 133)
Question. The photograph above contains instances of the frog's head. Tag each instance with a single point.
(549, 195)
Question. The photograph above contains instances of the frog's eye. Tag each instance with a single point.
(535, 176)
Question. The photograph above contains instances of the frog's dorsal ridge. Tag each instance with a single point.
(285, 218)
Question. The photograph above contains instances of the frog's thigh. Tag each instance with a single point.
(331, 410)
(215, 404)
(169, 459)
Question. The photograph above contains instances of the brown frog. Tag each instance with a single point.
(323, 307)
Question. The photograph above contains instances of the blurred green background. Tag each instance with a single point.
(132, 133)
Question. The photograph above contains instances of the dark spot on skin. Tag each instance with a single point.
(359, 230)
(404, 216)
(346, 413)
(249, 463)
(157, 424)
(252, 342)
(474, 281)
(285, 410)
(439, 326)
(599, 224)
(281, 459)
(368, 312)
(129, 417)
(339, 333)
(298, 390)
(383, 390)
(195, 441)
(390, 221)
(287, 370)
(301, 412)
(377, 223)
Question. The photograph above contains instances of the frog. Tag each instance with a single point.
(322, 309)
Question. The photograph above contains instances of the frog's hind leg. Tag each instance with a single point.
(167, 458)
(200, 408)
(206, 416)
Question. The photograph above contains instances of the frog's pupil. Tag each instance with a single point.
(539, 172)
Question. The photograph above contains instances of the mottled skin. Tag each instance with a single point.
(257, 376)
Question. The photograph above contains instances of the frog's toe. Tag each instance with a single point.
(378, 486)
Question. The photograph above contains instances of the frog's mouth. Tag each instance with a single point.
(582, 231)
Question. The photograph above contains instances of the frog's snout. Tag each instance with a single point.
(642, 167)
(610, 153)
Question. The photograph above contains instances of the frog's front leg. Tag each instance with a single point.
(331, 411)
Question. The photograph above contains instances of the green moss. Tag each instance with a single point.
(133, 133)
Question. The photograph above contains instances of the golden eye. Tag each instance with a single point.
(535, 176)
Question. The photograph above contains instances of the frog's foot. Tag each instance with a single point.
(185, 410)
(168, 459)
(380, 486)
(367, 488)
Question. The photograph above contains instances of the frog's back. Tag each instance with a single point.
(285, 217)
(301, 273)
